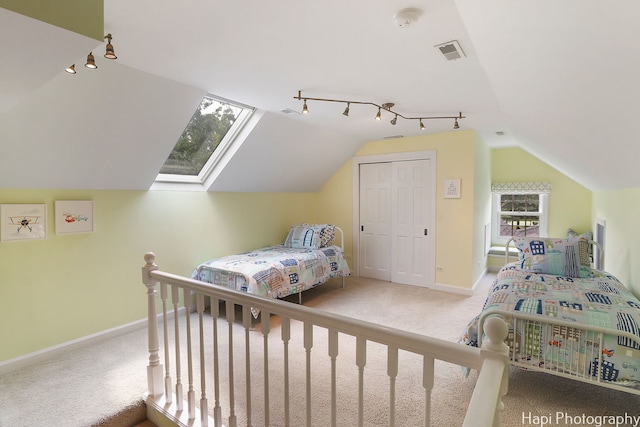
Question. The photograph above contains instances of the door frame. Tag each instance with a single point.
(384, 158)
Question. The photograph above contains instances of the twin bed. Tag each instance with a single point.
(565, 318)
(307, 258)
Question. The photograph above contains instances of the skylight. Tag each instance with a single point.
(209, 133)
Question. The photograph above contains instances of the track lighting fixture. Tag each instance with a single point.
(346, 110)
(91, 62)
(386, 106)
(109, 53)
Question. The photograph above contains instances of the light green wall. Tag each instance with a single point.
(619, 209)
(569, 202)
(456, 249)
(84, 17)
(482, 206)
(69, 286)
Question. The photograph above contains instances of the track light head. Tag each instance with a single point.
(305, 109)
(346, 110)
(91, 62)
(378, 116)
(71, 69)
(421, 125)
(394, 120)
(109, 53)
(455, 124)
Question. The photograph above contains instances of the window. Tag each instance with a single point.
(208, 134)
(519, 210)
(519, 215)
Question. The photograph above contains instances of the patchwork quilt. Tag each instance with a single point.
(276, 271)
(599, 300)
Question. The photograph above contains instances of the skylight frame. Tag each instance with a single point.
(226, 142)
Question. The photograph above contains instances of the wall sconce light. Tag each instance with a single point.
(386, 107)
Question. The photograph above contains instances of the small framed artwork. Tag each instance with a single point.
(452, 188)
(23, 222)
(74, 216)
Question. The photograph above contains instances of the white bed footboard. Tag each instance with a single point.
(202, 370)
(566, 349)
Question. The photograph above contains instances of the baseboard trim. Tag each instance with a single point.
(45, 354)
(452, 289)
(461, 291)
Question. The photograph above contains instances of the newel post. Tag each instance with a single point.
(497, 331)
(154, 369)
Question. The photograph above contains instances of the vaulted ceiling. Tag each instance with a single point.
(555, 78)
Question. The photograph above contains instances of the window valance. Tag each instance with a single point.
(521, 187)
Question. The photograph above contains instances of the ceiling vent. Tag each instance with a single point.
(451, 50)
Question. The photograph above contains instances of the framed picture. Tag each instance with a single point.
(452, 188)
(23, 222)
(74, 216)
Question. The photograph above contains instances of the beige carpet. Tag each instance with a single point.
(63, 392)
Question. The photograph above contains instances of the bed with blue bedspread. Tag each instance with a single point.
(305, 260)
(565, 318)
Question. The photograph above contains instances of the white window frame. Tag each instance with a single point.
(541, 189)
(218, 153)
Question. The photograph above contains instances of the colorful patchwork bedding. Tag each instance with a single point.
(599, 300)
(276, 271)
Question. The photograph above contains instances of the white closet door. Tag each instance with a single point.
(410, 215)
(375, 221)
(395, 215)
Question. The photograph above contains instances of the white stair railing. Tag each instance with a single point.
(217, 394)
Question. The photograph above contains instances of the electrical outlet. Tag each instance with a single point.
(439, 268)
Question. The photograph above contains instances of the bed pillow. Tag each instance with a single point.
(304, 236)
(561, 257)
(327, 235)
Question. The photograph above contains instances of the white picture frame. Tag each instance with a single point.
(452, 188)
(23, 222)
(74, 216)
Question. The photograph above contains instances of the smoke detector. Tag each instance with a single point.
(451, 50)
(407, 17)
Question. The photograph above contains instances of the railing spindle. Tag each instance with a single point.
(165, 330)
(191, 396)
(230, 308)
(308, 344)
(286, 336)
(333, 354)
(361, 361)
(204, 410)
(175, 299)
(266, 328)
(427, 383)
(246, 322)
(217, 410)
(392, 372)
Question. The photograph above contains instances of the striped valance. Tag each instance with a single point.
(521, 187)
